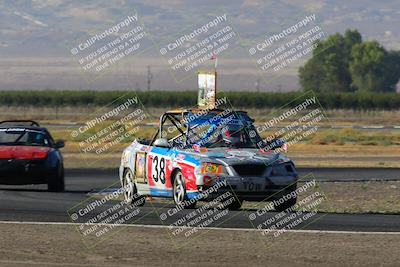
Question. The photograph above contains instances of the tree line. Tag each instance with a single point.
(346, 63)
(175, 99)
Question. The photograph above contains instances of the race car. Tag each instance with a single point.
(29, 155)
(194, 150)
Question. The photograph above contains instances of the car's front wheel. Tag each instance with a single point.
(129, 190)
(56, 181)
(179, 191)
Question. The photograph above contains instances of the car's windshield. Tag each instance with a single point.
(23, 137)
(223, 130)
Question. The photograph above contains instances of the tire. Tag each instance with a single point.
(179, 192)
(286, 205)
(235, 205)
(129, 190)
(56, 181)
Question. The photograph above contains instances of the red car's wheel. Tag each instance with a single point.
(56, 181)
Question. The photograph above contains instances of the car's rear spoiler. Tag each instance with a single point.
(20, 122)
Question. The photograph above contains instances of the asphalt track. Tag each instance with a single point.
(34, 204)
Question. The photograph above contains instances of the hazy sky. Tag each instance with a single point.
(105, 45)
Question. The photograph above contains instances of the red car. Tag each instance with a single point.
(29, 155)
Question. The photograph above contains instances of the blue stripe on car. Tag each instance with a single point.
(161, 192)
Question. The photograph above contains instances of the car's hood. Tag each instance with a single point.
(238, 156)
(23, 152)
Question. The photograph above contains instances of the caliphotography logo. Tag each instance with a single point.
(199, 133)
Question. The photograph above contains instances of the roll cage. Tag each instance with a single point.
(178, 119)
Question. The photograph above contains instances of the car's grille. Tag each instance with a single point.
(250, 169)
(282, 170)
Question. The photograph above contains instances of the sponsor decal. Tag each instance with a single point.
(140, 165)
(180, 156)
(209, 168)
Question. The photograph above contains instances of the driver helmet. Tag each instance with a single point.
(230, 135)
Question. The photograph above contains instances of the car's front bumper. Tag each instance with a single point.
(19, 172)
(252, 188)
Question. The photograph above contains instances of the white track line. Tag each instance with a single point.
(42, 263)
(209, 228)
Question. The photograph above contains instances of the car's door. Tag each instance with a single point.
(159, 171)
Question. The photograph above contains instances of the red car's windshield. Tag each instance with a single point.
(23, 137)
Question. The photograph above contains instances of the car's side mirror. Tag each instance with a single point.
(162, 142)
(59, 144)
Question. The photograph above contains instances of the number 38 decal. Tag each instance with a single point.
(158, 169)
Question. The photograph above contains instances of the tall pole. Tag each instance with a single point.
(258, 85)
(149, 78)
(215, 71)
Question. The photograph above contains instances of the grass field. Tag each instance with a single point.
(71, 114)
(330, 148)
(326, 147)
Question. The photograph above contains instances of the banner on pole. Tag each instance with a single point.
(207, 90)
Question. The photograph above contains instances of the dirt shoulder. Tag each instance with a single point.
(352, 197)
(62, 245)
